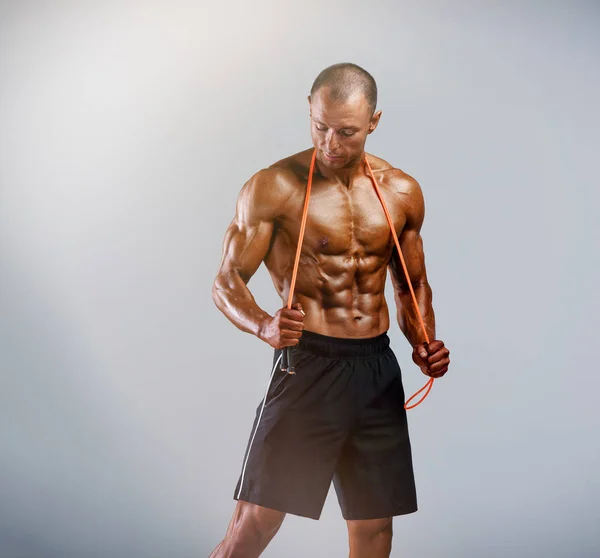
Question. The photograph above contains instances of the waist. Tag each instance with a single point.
(341, 347)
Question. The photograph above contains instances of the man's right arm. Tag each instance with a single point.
(246, 244)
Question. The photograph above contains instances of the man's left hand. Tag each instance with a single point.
(433, 358)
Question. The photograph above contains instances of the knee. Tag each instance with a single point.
(371, 530)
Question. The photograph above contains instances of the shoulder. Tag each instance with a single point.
(394, 179)
(402, 185)
(281, 180)
(266, 193)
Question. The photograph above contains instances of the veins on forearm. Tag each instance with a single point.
(234, 299)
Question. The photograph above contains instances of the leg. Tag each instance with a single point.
(296, 440)
(251, 529)
(370, 538)
(374, 476)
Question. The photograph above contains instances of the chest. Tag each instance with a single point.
(341, 221)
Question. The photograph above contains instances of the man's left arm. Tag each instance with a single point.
(433, 357)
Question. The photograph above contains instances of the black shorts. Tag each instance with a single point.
(340, 417)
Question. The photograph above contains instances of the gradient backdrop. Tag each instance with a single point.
(126, 398)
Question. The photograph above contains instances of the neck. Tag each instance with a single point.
(345, 175)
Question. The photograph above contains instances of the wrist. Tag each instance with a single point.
(261, 326)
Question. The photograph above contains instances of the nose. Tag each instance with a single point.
(331, 142)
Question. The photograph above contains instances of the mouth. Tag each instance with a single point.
(331, 157)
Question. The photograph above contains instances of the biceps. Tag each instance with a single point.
(244, 248)
(411, 245)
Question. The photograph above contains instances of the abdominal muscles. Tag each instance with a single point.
(343, 295)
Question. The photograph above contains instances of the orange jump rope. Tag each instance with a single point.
(287, 361)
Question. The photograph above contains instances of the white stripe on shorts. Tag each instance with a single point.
(257, 423)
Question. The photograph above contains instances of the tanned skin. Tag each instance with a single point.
(346, 253)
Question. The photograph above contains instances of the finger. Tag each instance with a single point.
(298, 306)
(426, 371)
(440, 373)
(290, 334)
(434, 346)
(295, 315)
(439, 366)
(289, 342)
(439, 355)
(291, 324)
(422, 351)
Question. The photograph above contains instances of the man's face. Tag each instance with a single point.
(339, 129)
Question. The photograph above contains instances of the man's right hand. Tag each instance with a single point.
(284, 329)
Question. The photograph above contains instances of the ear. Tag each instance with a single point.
(309, 106)
(374, 121)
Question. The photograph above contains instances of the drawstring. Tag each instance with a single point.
(287, 363)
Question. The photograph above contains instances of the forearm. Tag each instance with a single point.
(408, 319)
(233, 298)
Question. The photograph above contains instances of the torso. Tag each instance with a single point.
(346, 249)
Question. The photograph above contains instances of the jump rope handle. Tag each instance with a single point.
(287, 360)
(291, 368)
(284, 359)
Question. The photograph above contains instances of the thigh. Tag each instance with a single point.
(296, 440)
(374, 478)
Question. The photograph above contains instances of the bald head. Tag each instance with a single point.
(347, 80)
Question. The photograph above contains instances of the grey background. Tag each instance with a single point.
(126, 398)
